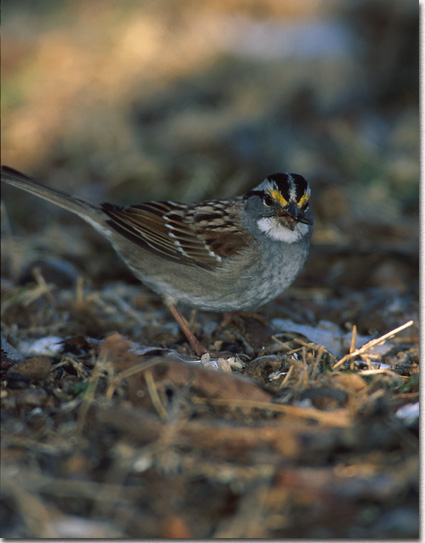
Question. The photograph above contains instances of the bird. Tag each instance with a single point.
(222, 255)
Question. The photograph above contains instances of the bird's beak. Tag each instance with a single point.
(293, 210)
(296, 215)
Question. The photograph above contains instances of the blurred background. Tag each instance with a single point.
(178, 99)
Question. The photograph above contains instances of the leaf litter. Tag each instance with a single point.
(285, 424)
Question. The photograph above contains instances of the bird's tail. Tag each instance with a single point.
(89, 212)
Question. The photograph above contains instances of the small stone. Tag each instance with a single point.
(34, 368)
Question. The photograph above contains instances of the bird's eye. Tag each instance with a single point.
(267, 200)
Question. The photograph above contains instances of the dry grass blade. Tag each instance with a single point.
(41, 282)
(334, 419)
(373, 343)
(120, 376)
(153, 393)
(287, 377)
(394, 376)
(138, 368)
(353, 344)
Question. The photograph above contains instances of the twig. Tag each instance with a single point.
(373, 343)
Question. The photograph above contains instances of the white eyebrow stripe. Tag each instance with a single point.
(293, 188)
(269, 185)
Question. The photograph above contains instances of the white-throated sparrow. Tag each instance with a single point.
(216, 255)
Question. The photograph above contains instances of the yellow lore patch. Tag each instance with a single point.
(278, 196)
(304, 199)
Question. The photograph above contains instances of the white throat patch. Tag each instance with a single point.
(278, 232)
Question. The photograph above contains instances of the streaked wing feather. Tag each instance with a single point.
(162, 228)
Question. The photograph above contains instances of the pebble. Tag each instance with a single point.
(34, 368)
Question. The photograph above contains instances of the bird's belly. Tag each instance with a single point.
(244, 283)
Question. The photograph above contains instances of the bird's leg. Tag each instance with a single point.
(194, 342)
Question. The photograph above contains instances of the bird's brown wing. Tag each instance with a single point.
(200, 234)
